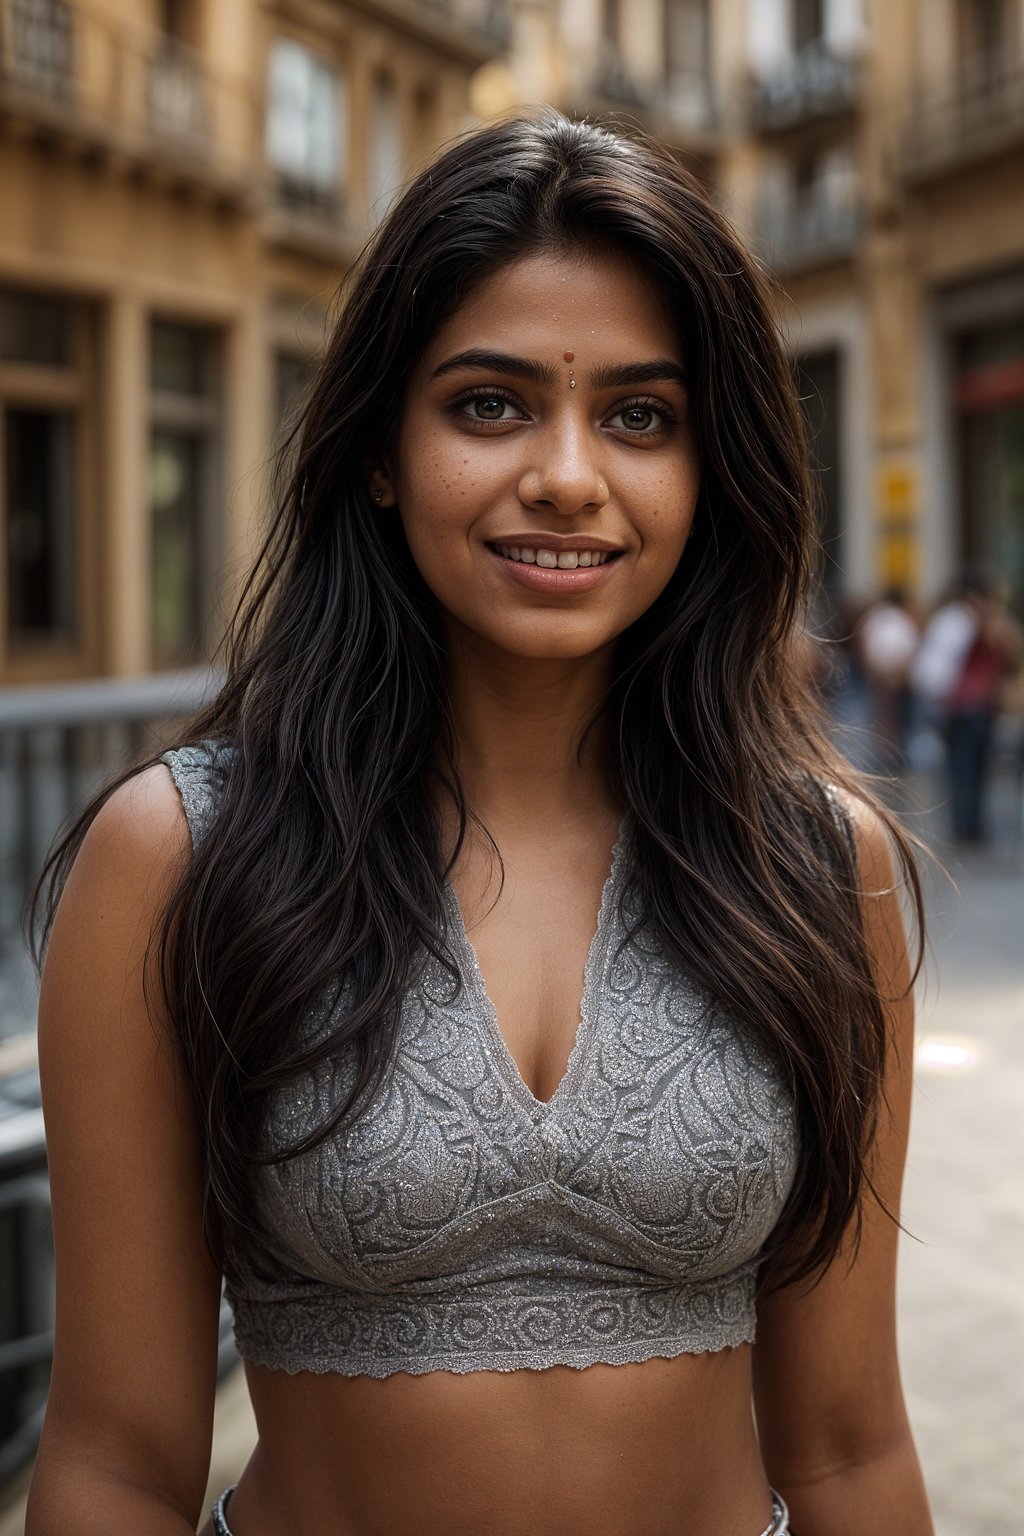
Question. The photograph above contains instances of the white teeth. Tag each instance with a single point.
(566, 560)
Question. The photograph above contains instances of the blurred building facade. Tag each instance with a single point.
(880, 170)
(182, 184)
(872, 152)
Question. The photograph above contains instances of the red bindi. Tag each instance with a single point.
(569, 356)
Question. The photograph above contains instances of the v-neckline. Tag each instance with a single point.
(486, 1012)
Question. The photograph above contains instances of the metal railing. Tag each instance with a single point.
(956, 124)
(37, 38)
(817, 228)
(814, 83)
(57, 745)
(123, 89)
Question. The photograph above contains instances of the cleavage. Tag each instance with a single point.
(532, 945)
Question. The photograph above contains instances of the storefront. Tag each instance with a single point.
(988, 403)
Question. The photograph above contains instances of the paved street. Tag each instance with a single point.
(962, 1279)
(962, 1275)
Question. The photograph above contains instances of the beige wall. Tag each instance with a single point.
(93, 208)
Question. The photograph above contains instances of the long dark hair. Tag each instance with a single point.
(325, 860)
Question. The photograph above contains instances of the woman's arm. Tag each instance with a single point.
(830, 1411)
(126, 1441)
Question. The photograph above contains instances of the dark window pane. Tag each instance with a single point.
(175, 485)
(808, 22)
(34, 329)
(995, 344)
(38, 455)
(993, 495)
(177, 359)
(292, 378)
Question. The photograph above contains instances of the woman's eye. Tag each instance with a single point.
(490, 408)
(639, 418)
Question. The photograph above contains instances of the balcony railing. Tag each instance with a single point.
(812, 84)
(57, 744)
(817, 228)
(76, 74)
(37, 46)
(954, 126)
(176, 98)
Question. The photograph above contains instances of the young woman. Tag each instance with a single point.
(501, 983)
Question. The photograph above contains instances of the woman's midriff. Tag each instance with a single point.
(661, 1448)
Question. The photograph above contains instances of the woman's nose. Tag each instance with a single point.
(564, 473)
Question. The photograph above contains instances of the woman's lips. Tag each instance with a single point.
(552, 579)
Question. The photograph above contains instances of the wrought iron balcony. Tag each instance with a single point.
(37, 46)
(810, 85)
(819, 227)
(73, 75)
(962, 123)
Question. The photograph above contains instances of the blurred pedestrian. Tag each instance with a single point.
(969, 651)
(888, 636)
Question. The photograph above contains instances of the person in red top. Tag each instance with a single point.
(992, 655)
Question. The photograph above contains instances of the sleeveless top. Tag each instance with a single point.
(461, 1224)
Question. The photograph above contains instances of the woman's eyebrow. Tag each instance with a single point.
(497, 362)
(607, 376)
(619, 375)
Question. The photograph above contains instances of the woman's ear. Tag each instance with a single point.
(381, 487)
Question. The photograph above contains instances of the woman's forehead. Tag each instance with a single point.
(593, 305)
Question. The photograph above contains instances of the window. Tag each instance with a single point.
(385, 144)
(987, 39)
(305, 124)
(688, 60)
(34, 329)
(42, 396)
(40, 42)
(808, 23)
(183, 490)
(39, 492)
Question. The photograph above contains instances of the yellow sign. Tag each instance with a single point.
(898, 543)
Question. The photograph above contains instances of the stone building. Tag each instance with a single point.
(879, 166)
(872, 151)
(181, 184)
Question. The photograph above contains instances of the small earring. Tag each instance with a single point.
(378, 497)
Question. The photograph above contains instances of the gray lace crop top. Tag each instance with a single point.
(460, 1224)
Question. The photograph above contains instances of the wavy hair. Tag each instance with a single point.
(325, 860)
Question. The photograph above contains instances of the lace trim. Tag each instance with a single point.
(378, 1335)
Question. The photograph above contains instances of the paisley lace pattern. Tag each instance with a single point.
(461, 1224)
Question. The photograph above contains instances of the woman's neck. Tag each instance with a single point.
(518, 724)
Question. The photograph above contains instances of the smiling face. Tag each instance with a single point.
(548, 417)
